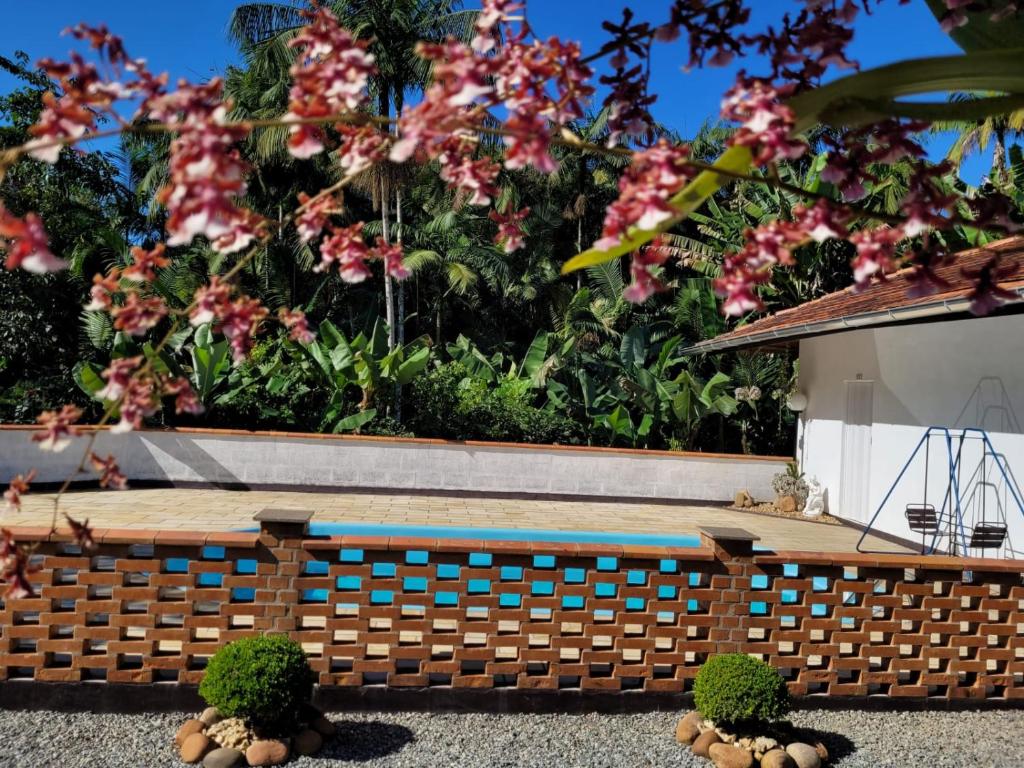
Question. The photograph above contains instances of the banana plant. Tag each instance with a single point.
(210, 363)
(362, 363)
(537, 364)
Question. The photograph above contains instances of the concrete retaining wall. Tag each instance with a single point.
(230, 458)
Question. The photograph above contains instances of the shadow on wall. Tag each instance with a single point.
(989, 407)
(187, 452)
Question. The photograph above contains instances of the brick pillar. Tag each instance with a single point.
(734, 551)
(282, 532)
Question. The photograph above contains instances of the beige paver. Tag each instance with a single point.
(210, 509)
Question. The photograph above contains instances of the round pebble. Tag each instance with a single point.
(210, 716)
(266, 752)
(308, 742)
(194, 747)
(855, 739)
(187, 729)
(223, 757)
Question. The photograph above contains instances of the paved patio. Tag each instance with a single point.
(205, 509)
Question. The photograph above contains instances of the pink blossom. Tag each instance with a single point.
(137, 402)
(207, 174)
(391, 255)
(83, 532)
(211, 302)
(765, 122)
(110, 473)
(118, 375)
(361, 147)
(329, 77)
(103, 289)
(185, 398)
(297, 324)
(145, 263)
(986, 295)
(653, 176)
(477, 177)
(876, 253)
(313, 216)
(138, 315)
(26, 244)
(641, 269)
(18, 486)
(345, 247)
(14, 568)
(821, 221)
(528, 144)
(239, 322)
(57, 428)
(510, 229)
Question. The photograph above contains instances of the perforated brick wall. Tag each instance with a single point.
(153, 606)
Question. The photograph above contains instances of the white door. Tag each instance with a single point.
(855, 480)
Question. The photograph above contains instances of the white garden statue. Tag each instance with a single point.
(815, 505)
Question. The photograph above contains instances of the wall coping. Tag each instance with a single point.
(124, 536)
(485, 444)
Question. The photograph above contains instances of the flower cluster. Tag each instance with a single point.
(18, 485)
(345, 247)
(510, 229)
(57, 428)
(772, 245)
(237, 319)
(207, 174)
(110, 476)
(297, 324)
(26, 245)
(644, 283)
(329, 77)
(652, 178)
(765, 122)
(14, 567)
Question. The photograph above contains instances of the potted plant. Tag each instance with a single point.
(790, 489)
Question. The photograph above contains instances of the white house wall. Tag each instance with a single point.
(967, 373)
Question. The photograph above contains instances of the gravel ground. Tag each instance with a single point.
(419, 740)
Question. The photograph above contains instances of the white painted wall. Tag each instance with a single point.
(206, 456)
(966, 373)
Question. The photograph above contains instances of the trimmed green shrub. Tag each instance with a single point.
(265, 680)
(734, 688)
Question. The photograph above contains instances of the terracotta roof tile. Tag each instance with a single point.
(878, 297)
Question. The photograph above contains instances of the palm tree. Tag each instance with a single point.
(974, 136)
(393, 27)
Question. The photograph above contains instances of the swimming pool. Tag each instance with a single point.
(503, 534)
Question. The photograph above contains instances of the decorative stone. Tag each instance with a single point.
(743, 499)
(765, 744)
(232, 733)
(786, 503)
(210, 716)
(776, 758)
(729, 756)
(266, 752)
(687, 730)
(223, 757)
(194, 747)
(187, 729)
(323, 726)
(804, 755)
(703, 742)
(308, 742)
(822, 751)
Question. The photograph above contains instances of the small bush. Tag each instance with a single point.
(265, 680)
(734, 688)
(791, 483)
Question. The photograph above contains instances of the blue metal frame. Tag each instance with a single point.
(954, 482)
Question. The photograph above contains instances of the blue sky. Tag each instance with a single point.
(189, 39)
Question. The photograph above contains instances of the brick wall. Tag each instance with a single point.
(153, 606)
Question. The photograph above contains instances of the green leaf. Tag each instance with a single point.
(535, 355)
(88, 378)
(355, 421)
(633, 347)
(413, 365)
(209, 364)
(735, 160)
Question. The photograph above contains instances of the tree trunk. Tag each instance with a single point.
(999, 157)
(400, 304)
(389, 302)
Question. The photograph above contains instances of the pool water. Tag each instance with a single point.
(503, 534)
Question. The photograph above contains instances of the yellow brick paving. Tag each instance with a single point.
(218, 510)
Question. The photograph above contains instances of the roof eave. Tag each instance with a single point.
(794, 333)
